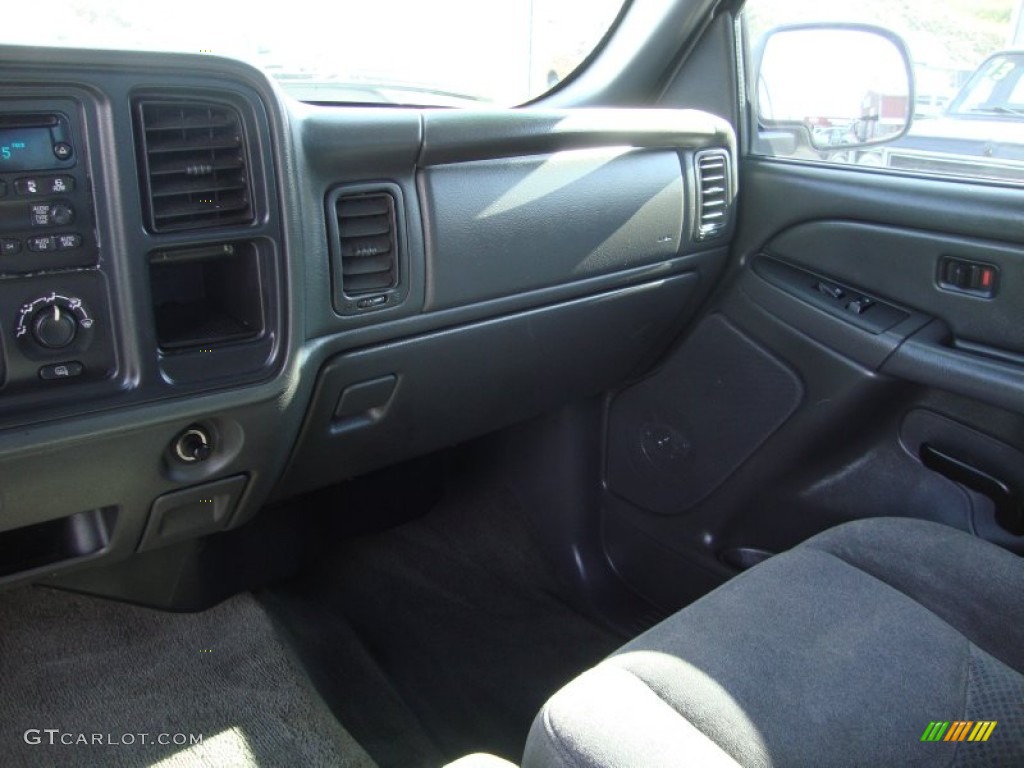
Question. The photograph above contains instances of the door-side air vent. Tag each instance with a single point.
(714, 193)
(367, 243)
(370, 256)
(194, 165)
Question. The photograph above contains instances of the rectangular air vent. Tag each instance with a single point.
(367, 243)
(194, 165)
(714, 193)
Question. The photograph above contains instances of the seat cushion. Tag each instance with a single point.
(841, 651)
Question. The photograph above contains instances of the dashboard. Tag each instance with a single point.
(213, 296)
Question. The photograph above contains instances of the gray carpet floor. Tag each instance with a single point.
(86, 667)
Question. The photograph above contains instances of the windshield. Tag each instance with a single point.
(437, 53)
(997, 88)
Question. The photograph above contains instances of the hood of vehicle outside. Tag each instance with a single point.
(997, 139)
(970, 129)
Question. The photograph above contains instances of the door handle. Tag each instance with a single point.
(1009, 512)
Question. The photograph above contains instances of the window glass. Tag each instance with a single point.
(980, 89)
(968, 59)
(1016, 100)
(441, 52)
(995, 89)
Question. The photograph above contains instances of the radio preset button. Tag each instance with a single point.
(43, 243)
(11, 246)
(41, 185)
(68, 242)
(27, 187)
(61, 184)
(62, 150)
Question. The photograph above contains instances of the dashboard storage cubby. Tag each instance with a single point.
(206, 296)
(55, 542)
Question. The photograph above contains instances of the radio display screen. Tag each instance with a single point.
(26, 149)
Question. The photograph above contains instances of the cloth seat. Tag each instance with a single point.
(839, 652)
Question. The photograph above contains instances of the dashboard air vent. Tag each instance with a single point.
(194, 165)
(367, 242)
(714, 193)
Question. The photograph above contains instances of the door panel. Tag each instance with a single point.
(922, 366)
(719, 383)
(777, 194)
(902, 265)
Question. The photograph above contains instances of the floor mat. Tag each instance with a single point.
(441, 637)
(89, 682)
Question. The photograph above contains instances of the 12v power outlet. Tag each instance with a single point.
(192, 445)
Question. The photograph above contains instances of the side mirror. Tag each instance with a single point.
(835, 86)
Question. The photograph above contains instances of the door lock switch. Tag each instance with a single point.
(859, 305)
(970, 277)
(831, 290)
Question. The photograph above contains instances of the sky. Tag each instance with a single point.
(467, 46)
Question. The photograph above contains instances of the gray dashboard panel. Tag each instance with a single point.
(495, 227)
(112, 454)
(442, 388)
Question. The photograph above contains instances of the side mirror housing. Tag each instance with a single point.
(834, 87)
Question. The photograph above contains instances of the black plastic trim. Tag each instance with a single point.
(462, 135)
(928, 358)
(811, 314)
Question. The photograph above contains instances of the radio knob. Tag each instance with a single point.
(54, 328)
(61, 215)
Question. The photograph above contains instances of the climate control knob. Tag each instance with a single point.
(52, 322)
(53, 327)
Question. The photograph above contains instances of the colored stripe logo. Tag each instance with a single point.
(959, 730)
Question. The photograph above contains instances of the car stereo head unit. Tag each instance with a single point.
(35, 143)
(46, 209)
